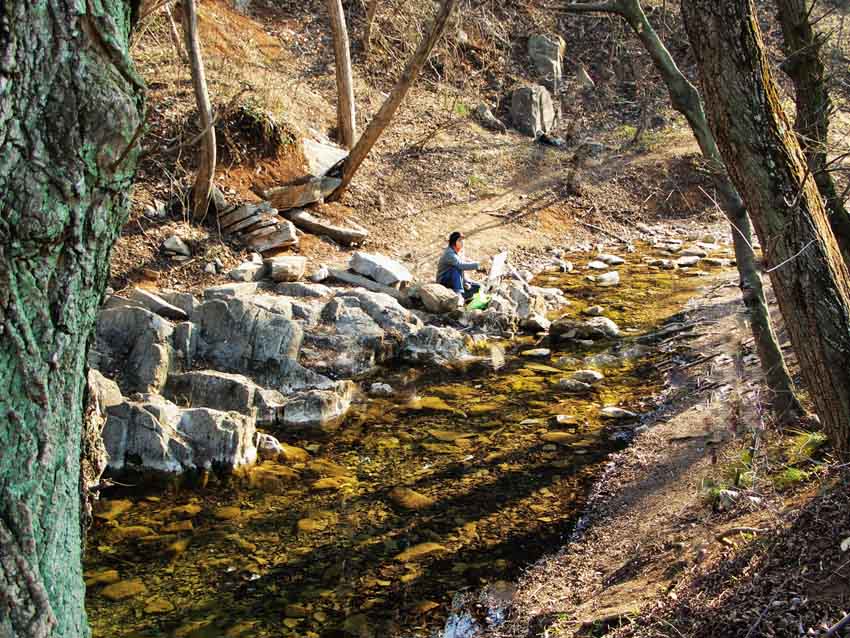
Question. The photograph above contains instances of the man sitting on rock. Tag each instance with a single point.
(451, 269)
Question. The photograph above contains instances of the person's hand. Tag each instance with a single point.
(484, 265)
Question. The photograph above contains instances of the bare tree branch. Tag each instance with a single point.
(587, 7)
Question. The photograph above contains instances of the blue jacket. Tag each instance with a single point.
(450, 259)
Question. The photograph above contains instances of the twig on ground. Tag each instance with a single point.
(841, 624)
(606, 232)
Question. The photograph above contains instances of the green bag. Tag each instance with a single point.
(479, 301)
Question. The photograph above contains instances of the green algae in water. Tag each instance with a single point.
(298, 562)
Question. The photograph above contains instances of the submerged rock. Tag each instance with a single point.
(537, 353)
(573, 386)
(588, 376)
(410, 499)
(419, 552)
(124, 589)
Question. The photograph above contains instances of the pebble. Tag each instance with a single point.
(536, 353)
(571, 385)
(158, 605)
(593, 311)
(410, 499)
(227, 513)
(611, 260)
(381, 390)
(124, 589)
(613, 412)
(588, 376)
(102, 577)
(417, 552)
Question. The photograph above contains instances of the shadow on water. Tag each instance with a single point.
(291, 560)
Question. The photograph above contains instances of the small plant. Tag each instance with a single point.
(462, 109)
(804, 446)
(740, 472)
(789, 477)
(476, 183)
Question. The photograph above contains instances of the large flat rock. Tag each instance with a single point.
(380, 268)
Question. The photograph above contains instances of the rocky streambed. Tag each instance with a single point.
(461, 477)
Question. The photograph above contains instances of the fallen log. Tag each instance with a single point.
(347, 236)
(307, 191)
(358, 280)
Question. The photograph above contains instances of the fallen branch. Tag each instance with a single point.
(354, 234)
(841, 624)
(732, 531)
(606, 232)
(298, 195)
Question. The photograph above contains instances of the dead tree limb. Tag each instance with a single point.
(391, 104)
(206, 162)
(371, 10)
(346, 125)
(175, 35)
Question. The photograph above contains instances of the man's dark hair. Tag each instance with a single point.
(454, 237)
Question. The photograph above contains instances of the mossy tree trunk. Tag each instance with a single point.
(686, 99)
(70, 118)
(769, 169)
(804, 66)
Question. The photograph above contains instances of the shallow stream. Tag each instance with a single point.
(329, 545)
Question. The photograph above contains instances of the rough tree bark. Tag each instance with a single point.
(344, 84)
(686, 99)
(202, 189)
(804, 66)
(70, 118)
(391, 104)
(371, 10)
(766, 164)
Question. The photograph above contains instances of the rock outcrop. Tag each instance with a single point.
(532, 110)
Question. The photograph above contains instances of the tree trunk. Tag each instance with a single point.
(70, 119)
(202, 189)
(371, 10)
(344, 84)
(766, 164)
(391, 104)
(804, 66)
(686, 99)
